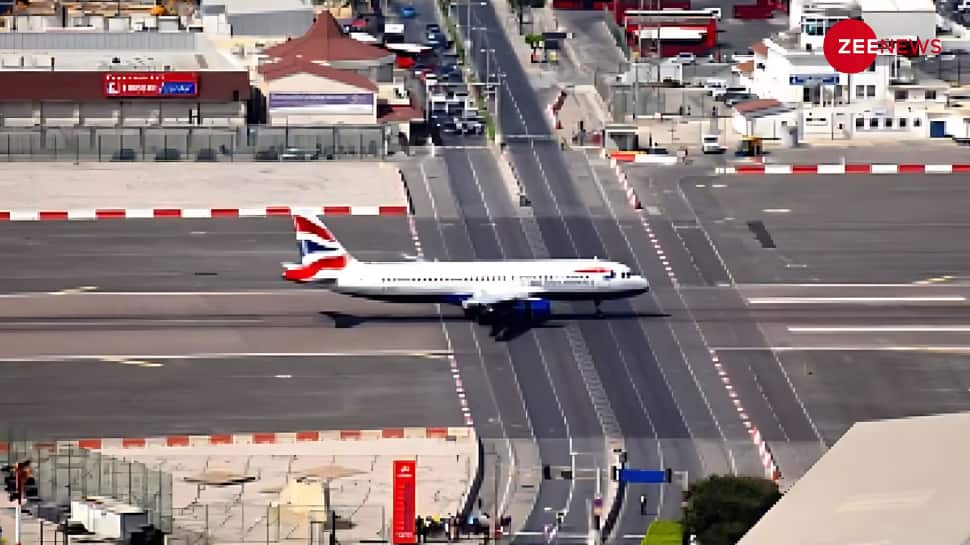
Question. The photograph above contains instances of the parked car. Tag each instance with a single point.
(738, 98)
(432, 27)
(408, 11)
(685, 58)
(299, 154)
(656, 156)
(124, 154)
(267, 155)
(168, 154)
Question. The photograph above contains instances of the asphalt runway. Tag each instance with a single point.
(113, 332)
(143, 397)
(868, 229)
(866, 273)
(176, 254)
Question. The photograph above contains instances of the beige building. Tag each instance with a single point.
(303, 93)
(894, 482)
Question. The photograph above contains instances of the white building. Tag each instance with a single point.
(887, 99)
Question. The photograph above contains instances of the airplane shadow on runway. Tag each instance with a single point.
(503, 331)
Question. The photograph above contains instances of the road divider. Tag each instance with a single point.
(162, 213)
(444, 433)
(843, 168)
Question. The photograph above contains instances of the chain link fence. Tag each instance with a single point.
(270, 522)
(66, 473)
(197, 144)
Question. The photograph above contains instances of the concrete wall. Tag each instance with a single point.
(899, 24)
(122, 113)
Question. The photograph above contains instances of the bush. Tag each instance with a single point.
(663, 532)
(721, 509)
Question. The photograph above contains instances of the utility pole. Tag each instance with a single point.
(495, 517)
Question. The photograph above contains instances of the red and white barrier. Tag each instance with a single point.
(257, 438)
(848, 168)
(160, 213)
(631, 195)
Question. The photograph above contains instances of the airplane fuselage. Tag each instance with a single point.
(452, 282)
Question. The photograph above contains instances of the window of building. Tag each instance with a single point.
(874, 123)
(860, 91)
(860, 123)
(806, 94)
(872, 67)
(902, 122)
(902, 94)
(931, 94)
(888, 123)
(917, 122)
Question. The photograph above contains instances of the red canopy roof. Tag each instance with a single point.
(325, 41)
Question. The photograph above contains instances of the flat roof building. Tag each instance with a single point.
(894, 482)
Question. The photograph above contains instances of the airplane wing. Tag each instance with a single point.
(493, 298)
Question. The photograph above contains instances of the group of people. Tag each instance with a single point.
(452, 528)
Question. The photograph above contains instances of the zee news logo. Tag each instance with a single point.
(851, 46)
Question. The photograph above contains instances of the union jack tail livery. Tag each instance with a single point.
(322, 257)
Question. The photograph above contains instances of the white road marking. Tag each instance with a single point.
(823, 285)
(282, 376)
(881, 329)
(217, 355)
(850, 300)
(845, 348)
(776, 210)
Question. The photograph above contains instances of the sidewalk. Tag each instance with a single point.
(30, 528)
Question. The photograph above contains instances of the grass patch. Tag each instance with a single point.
(663, 532)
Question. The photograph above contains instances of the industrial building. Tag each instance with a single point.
(123, 79)
(279, 18)
(894, 482)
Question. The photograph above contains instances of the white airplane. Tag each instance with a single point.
(482, 288)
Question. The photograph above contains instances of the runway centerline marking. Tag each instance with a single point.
(851, 300)
(881, 329)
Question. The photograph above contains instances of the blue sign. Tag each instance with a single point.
(648, 476)
(814, 79)
(178, 88)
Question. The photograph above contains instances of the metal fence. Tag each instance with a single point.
(270, 522)
(67, 473)
(195, 144)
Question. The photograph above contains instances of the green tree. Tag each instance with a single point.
(533, 40)
(721, 509)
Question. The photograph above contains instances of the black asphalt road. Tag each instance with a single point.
(635, 381)
(91, 398)
(175, 255)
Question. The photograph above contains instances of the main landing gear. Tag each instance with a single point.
(599, 311)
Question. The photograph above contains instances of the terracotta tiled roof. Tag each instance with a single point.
(388, 113)
(760, 49)
(755, 105)
(325, 41)
(746, 67)
(289, 67)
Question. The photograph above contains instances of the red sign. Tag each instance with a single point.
(404, 502)
(151, 84)
(851, 46)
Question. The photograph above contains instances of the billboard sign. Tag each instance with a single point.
(404, 508)
(151, 84)
(323, 103)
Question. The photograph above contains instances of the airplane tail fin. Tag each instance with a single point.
(322, 257)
